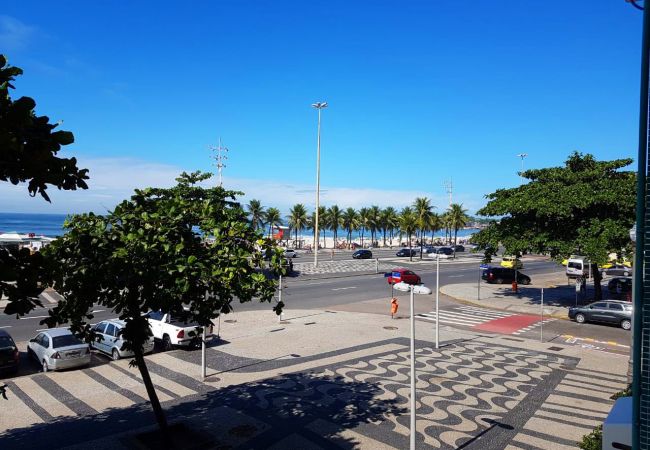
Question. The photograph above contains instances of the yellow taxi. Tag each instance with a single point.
(511, 262)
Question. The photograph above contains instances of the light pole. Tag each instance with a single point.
(521, 175)
(319, 106)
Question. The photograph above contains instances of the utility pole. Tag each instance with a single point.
(449, 187)
(521, 175)
(219, 156)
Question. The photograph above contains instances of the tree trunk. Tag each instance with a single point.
(421, 243)
(598, 290)
(410, 252)
(384, 237)
(362, 231)
(151, 391)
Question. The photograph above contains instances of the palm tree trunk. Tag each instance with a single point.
(421, 243)
(410, 252)
(151, 391)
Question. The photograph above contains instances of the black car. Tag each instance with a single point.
(501, 275)
(620, 287)
(445, 251)
(607, 311)
(362, 254)
(459, 248)
(407, 252)
(9, 354)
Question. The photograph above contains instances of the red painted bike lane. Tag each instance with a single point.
(507, 325)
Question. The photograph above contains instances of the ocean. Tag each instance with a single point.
(52, 225)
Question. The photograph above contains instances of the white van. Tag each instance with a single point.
(580, 266)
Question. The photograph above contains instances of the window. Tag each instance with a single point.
(45, 341)
(6, 341)
(156, 315)
(110, 329)
(600, 305)
(100, 327)
(65, 341)
(616, 306)
(575, 265)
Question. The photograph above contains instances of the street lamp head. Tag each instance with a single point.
(522, 155)
(319, 105)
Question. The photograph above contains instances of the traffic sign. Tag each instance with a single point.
(397, 276)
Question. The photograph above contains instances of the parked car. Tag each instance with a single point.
(362, 254)
(9, 354)
(606, 311)
(620, 287)
(110, 339)
(173, 332)
(459, 248)
(617, 270)
(406, 275)
(407, 252)
(58, 348)
(501, 275)
(511, 262)
(428, 249)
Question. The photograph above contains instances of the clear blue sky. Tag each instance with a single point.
(419, 91)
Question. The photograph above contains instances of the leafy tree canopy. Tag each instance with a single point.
(585, 207)
(187, 250)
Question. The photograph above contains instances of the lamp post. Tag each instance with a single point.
(319, 106)
(401, 286)
(521, 175)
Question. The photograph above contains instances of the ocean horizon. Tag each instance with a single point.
(51, 225)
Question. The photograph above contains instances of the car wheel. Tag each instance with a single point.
(626, 274)
(580, 318)
(626, 324)
(499, 281)
(45, 367)
(167, 343)
(525, 282)
(115, 354)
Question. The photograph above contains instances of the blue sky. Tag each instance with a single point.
(419, 92)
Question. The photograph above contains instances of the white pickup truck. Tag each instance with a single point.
(175, 333)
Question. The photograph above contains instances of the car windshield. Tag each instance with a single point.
(575, 265)
(64, 341)
(5, 341)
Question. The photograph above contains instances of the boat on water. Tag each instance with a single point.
(30, 240)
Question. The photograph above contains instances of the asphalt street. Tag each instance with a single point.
(354, 293)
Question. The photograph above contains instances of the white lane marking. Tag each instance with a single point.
(97, 310)
(7, 326)
(48, 297)
(344, 288)
(455, 276)
(33, 317)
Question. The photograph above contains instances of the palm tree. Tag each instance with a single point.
(408, 224)
(363, 222)
(298, 218)
(444, 218)
(422, 208)
(374, 222)
(273, 218)
(350, 222)
(334, 219)
(256, 213)
(458, 218)
(392, 221)
(435, 224)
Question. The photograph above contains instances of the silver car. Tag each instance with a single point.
(57, 349)
(110, 340)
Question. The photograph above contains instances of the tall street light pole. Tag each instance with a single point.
(521, 175)
(319, 106)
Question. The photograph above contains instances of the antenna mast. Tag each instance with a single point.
(219, 156)
(449, 187)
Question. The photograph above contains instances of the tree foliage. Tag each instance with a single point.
(151, 253)
(29, 144)
(585, 207)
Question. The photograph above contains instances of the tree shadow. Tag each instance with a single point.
(286, 410)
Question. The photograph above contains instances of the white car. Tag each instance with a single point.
(110, 340)
(289, 253)
(173, 333)
(58, 348)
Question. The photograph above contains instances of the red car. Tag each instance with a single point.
(406, 275)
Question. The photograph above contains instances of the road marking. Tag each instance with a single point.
(33, 317)
(6, 326)
(48, 297)
(97, 310)
(455, 276)
(344, 288)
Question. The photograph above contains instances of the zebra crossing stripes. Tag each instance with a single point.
(464, 315)
(532, 327)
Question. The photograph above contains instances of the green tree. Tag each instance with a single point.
(256, 213)
(423, 211)
(150, 253)
(298, 218)
(458, 218)
(374, 222)
(322, 217)
(350, 222)
(363, 221)
(436, 224)
(408, 223)
(28, 153)
(585, 207)
(273, 218)
(391, 221)
(334, 219)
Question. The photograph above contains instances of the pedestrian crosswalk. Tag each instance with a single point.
(465, 315)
